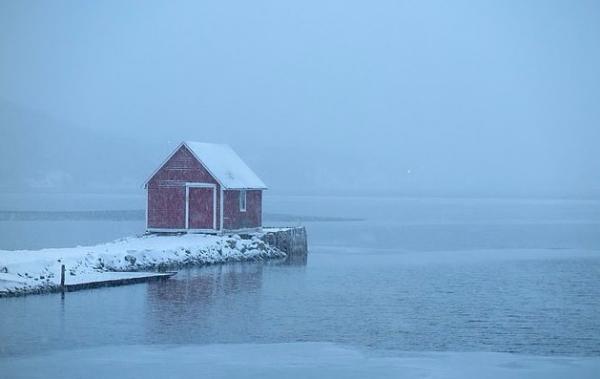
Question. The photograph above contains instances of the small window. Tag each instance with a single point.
(243, 201)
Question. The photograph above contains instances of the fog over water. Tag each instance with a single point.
(415, 97)
(442, 156)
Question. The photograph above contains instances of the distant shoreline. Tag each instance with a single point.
(140, 214)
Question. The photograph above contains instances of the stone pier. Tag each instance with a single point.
(291, 241)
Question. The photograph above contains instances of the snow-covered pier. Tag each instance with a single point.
(137, 259)
(109, 279)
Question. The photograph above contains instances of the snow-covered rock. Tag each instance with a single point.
(30, 271)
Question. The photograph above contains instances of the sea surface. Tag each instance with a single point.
(383, 274)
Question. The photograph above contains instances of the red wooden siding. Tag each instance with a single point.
(201, 208)
(233, 218)
(164, 207)
(167, 198)
(166, 190)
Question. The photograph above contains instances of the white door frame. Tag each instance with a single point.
(187, 204)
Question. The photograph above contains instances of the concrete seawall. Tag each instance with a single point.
(292, 240)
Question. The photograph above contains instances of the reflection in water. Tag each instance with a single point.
(208, 283)
(538, 302)
(296, 260)
(213, 303)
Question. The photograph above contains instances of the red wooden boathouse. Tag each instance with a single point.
(204, 188)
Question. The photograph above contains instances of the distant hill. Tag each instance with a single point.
(40, 153)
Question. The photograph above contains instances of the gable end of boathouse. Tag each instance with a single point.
(203, 188)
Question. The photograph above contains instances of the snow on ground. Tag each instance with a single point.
(293, 360)
(24, 271)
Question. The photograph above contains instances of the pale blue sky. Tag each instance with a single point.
(469, 96)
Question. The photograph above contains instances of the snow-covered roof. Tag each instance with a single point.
(225, 165)
(222, 163)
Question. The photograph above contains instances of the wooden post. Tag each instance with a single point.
(62, 278)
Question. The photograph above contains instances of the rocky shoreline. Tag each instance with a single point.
(24, 272)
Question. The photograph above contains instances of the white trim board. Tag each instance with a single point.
(244, 230)
(187, 202)
(209, 231)
(179, 230)
(147, 207)
(242, 192)
(221, 208)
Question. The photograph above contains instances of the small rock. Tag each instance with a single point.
(130, 259)
(162, 267)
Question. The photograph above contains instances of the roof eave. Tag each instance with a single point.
(245, 188)
(162, 164)
(184, 143)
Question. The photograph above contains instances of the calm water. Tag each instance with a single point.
(416, 275)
